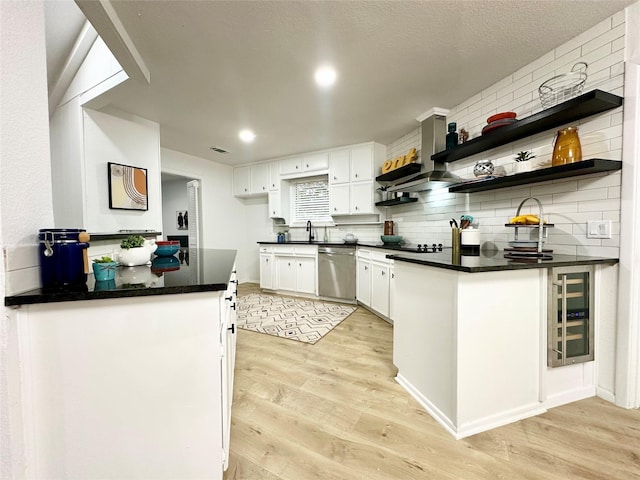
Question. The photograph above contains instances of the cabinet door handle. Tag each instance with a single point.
(366, 268)
(307, 165)
(382, 272)
(356, 175)
(335, 178)
(266, 260)
(289, 264)
(356, 207)
(393, 275)
(232, 328)
(233, 281)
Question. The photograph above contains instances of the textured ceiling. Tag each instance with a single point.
(219, 66)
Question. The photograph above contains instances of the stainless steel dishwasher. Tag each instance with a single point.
(337, 273)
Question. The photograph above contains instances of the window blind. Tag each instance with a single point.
(311, 201)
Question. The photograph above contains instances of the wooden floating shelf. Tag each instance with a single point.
(585, 167)
(404, 171)
(590, 103)
(396, 201)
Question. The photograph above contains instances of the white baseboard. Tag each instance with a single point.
(570, 396)
(607, 395)
(477, 426)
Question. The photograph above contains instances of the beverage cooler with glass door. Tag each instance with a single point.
(570, 333)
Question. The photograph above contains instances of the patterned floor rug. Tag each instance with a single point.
(294, 318)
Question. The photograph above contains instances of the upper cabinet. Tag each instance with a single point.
(242, 181)
(363, 163)
(339, 168)
(351, 172)
(307, 163)
(260, 178)
(251, 180)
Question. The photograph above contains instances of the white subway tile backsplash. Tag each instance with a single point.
(568, 203)
(606, 38)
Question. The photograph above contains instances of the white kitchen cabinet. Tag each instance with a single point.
(351, 198)
(375, 281)
(392, 290)
(295, 268)
(339, 199)
(361, 198)
(242, 181)
(275, 204)
(286, 273)
(228, 360)
(306, 275)
(274, 176)
(260, 179)
(315, 162)
(339, 166)
(289, 166)
(380, 287)
(363, 277)
(311, 162)
(267, 268)
(362, 163)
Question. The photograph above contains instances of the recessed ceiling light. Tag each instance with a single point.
(325, 76)
(247, 136)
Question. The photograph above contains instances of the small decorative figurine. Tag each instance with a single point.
(464, 135)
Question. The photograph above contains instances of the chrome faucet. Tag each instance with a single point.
(310, 230)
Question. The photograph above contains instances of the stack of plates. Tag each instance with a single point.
(526, 248)
(499, 120)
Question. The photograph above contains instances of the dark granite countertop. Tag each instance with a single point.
(191, 271)
(494, 261)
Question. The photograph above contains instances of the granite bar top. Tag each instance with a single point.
(494, 261)
(190, 271)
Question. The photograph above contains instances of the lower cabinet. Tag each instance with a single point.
(267, 268)
(289, 268)
(375, 282)
(363, 280)
(228, 360)
(380, 287)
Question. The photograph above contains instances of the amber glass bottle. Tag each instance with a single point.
(567, 147)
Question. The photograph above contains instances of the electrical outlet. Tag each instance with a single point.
(599, 229)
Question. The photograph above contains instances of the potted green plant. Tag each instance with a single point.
(104, 269)
(135, 250)
(522, 161)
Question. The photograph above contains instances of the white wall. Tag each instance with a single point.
(25, 191)
(223, 217)
(128, 140)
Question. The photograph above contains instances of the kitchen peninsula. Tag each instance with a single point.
(470, 336)
(132, 379)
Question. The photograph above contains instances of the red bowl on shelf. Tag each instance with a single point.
(501, 116)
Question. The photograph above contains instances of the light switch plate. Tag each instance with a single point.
(599, 229)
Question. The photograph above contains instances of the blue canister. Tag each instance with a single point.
(62, 258)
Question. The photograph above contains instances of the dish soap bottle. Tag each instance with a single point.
(326, 237)
(452, 136)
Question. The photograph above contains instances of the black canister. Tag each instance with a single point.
(62, 258)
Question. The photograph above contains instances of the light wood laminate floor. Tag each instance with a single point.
(333, 411)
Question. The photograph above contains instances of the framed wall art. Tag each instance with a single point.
(127, 187)
(182, 220)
